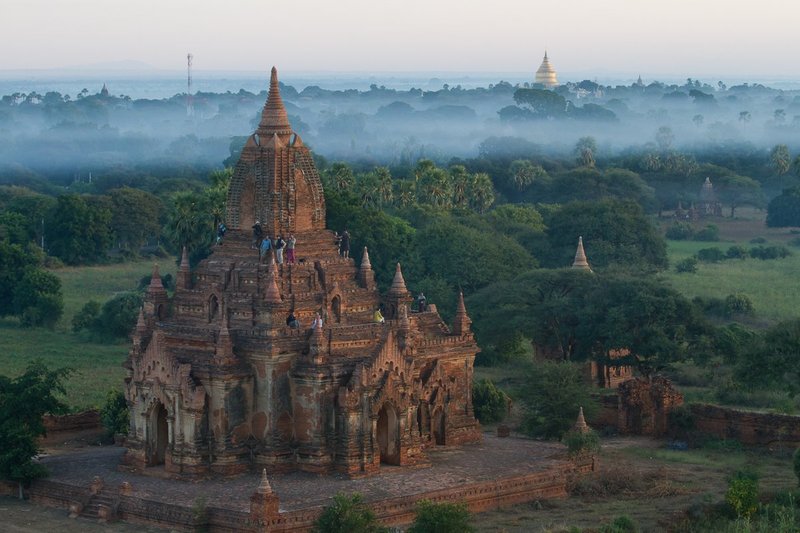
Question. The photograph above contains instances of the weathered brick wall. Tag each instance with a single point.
(751, 428)
(85, 420)
(608, 413)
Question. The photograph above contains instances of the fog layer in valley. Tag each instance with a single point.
(64, 138)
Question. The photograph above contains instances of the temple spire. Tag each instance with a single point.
(141, 326)
(580, 257)
(580, 425)
(398, 283)
(184, 271)
(274, 119)
(366, 277)
(462, 321)
(155, 280)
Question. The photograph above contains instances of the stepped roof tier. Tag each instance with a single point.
(219, 383)
(546, 75)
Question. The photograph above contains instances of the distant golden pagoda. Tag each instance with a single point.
(546, 75)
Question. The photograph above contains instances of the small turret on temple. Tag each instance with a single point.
(228, 375)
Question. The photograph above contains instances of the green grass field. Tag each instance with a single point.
(97, 366)
(772, 285)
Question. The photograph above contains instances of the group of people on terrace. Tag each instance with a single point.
(266, 244)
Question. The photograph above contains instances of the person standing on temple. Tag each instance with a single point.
(221, 229)
(377, 317)
(422, 303)
(258, 234)
(344, 246)
(290, 244)
(263, 251)
(280, 244)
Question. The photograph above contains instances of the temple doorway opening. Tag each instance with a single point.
(439, 427)
(159, 435)
(389, 435)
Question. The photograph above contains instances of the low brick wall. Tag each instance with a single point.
(83, 421)
(750, 428)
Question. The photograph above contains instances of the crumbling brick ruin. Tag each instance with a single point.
(218, 383)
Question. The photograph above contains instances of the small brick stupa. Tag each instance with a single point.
(218, 383)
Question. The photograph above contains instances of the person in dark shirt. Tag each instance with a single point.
(344, 245)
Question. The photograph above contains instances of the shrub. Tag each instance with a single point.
(738, 304)
(441, 518)
(680, 231)
(797, 465)
(770, 252)
(710, 255)
(795, 242)
(118, 316)
(114, 413)
(742, 494)
(84, 318)
(758, 240)
(737, 252)
(578, 442)
(347, 514)
(621, 524)
(688, 265)
(489, 402)
(708, 234)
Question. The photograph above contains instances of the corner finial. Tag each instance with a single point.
(264, 487)
(462, 321)
(273, 294)
(398, 283)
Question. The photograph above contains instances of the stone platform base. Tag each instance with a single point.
(485, 475)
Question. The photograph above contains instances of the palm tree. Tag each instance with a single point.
(481, 192)
(405, 193)
(780, 159)
(460, 179)
(384, 178)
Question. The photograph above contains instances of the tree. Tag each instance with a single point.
(23, 402)
(665, 138)
(114, 414)
(134, 217)
(347, 514)
(481, 192)
(543, 103)
(585, 150)
(79, 229)
(784, 209)
(441, 518)
(698, 120)
(773, 359)
(738, 190)
(339, 176)
(489, 402)
(435, 188)
(37, 298)
(614, 232)
(524, 173)
(552, 395)
(780, 159)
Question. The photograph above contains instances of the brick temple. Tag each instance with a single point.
(218, 384)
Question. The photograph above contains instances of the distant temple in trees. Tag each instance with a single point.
(217, 382)
(546, 75)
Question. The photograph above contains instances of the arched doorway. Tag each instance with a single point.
(389, 435)
(424, 421)
(158, 435)
(439, 427)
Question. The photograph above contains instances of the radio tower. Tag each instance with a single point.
(189, 103)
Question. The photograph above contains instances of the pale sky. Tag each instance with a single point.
(681, 37)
